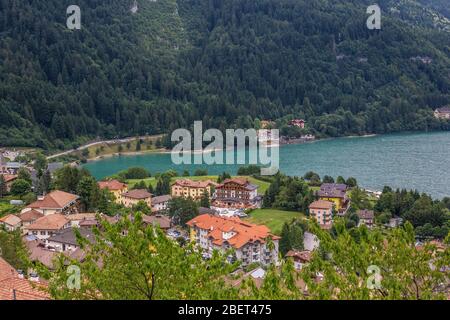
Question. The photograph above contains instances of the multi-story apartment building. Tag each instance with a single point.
(194, 189)
(251, 243)
(322, 212)
(236, 193)
(132, 197)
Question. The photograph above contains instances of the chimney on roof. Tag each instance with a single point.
(40, 198)
(34, 277)
(21, 274)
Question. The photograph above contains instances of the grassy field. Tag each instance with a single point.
(272, 218)
(6, 208)
(148, 145)
(262, 185)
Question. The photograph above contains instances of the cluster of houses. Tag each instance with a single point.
(10, 169)
(49, 223)
(333, 199)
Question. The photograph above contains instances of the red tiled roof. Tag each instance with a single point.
(137, 194)
(6, 270)
(244, 232)
(54, 200)
(14, 288)
(365, 214)
(162, 221)
(112, 185)
(240, 181)
(51, 222)
(80, 216)
(194, 184)
(9, 177)
(303, 256)
(11, 220)
(44, 256)
(31, 216)
(321, 204)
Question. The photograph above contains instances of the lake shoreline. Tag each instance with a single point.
(411, 161)
(167, 151)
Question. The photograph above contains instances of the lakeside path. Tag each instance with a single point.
(101, 142)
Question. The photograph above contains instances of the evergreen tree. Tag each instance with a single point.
(24, 174)
(89, 193)
(3, 187)
(285, 241)
(204, 200)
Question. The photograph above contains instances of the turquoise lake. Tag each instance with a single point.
(412, 160)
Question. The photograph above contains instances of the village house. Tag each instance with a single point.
(322, 212)
(11, 168)
(442, 113)
(248, 240)
(336, 193)
(77, 220)
(194, 189)
(47, 226)
(160, 202)
(38, 252)
(14, 285)
(11, 222)
(116, 187)
(299, 123)
(9, 180)
(366, 217)
(55, 202)
(300, 258)
(132, 197)
(394, 222)
(236, 193)
(66, 240)
(162, 221)
(29, 217)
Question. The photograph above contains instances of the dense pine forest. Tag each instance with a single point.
(226, 62)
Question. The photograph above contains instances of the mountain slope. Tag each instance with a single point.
(225, 62)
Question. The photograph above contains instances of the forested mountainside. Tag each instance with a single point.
(226, 62)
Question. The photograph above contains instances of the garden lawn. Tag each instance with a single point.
(272, 218)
